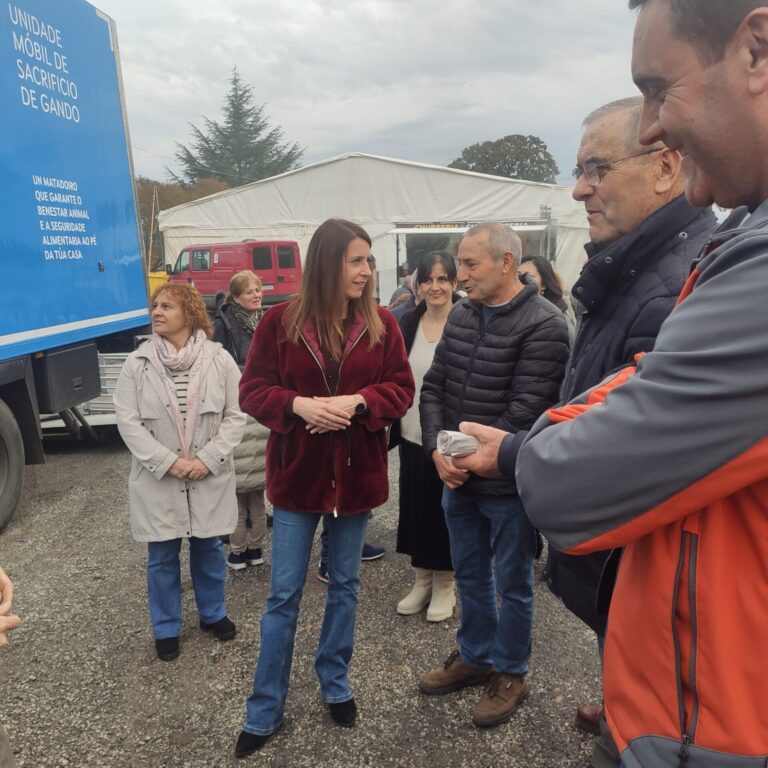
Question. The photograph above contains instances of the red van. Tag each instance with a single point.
(210, 267)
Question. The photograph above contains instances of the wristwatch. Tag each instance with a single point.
(360, 409)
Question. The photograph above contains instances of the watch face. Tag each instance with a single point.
(359, 408)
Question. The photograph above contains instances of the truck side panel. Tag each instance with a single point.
(70, 252)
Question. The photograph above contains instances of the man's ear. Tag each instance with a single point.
(508, 262)
(752, 37)
(668, 171)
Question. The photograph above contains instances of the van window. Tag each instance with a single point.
(285, 257)
(262, 257)
(201, 260)
(182, 263)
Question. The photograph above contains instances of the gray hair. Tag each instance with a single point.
(632, 106)
(501, 239)
(708, 25)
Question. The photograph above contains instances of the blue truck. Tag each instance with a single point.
(70, 250)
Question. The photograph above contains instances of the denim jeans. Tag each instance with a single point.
(324, 542)
(206, 564)
(292, 536)
(487, 531)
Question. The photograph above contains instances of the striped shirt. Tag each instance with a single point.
(181, 383)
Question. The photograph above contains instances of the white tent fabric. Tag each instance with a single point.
(377, 193)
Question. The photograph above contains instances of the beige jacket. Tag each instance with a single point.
(251, 458)
(163, 507)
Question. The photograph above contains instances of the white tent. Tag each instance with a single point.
(380, 194)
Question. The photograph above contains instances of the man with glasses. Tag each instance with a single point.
(643, 237)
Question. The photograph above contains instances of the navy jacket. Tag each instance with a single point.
(627, 289)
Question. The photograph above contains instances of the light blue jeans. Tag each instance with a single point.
(487, 531)
(206, 564)
(292, 536)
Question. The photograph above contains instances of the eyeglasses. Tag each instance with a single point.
(594, 173)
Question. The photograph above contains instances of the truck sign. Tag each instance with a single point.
(73, 282)
(69, 246)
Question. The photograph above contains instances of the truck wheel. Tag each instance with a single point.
(11, 465)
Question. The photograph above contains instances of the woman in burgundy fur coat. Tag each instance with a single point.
(327, 373)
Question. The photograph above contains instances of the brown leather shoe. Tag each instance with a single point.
(502, 696)
(452, 675)
(588, 717)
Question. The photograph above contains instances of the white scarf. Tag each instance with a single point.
(188, 358)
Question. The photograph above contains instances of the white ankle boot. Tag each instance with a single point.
(418, 597)
(443, 596)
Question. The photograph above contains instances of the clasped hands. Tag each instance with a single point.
(186, 469)
(327, 414)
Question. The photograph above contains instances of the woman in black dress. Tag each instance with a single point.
(421, 530)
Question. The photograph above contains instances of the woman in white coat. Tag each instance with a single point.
(177, 411)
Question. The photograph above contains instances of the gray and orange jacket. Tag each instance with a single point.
(669, 459)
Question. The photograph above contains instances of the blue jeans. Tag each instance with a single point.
(206, 564)
(292, 536)
(488, 530)
(324, 542)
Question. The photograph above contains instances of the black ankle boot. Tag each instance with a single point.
(167, 648)
(248, 743)
(344, 713)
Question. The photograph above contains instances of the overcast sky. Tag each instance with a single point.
(418, 80)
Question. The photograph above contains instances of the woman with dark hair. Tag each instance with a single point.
(550, 287)
(421, 530)
(327, 374)
(233, 328)
(177, 411)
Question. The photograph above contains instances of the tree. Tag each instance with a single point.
(241, 148)
(514, 156)
(168, 195)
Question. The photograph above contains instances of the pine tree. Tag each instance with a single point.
(238, 150)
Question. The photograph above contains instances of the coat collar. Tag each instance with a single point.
(618, 262)
(529, 289)
(357, 329)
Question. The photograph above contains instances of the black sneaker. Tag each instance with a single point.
(167, 648)
(322, 573)
(237, 562)
(253, 557)
(224, 629)
(371, 552)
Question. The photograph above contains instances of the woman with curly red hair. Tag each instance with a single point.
(177, 411)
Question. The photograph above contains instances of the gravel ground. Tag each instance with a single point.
(81, 686)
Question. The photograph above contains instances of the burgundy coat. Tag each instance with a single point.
(342, 472)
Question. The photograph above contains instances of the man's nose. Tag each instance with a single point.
(582, 189)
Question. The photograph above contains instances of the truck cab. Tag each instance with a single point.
(210, 267)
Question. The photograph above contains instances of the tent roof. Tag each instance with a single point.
(367, 189)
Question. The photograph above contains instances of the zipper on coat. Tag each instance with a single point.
(341, 365)
(686, 562)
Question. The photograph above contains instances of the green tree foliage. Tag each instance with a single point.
(168, 195)
(514, 156)
(241, 148)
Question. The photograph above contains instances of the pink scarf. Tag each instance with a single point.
(188, 358)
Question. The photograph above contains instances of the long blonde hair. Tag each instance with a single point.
(321, 299)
